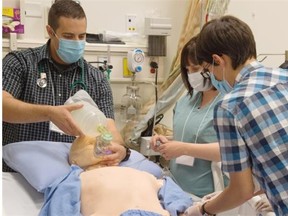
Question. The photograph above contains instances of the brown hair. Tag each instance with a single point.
(188, 56)
(226, 35)
(64, 8)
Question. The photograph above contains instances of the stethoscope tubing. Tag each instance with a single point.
(43, 80)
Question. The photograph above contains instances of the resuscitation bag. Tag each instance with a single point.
(89, 117)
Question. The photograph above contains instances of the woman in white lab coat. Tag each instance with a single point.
(194, 143)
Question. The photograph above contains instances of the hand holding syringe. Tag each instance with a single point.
(169, 149)
(156, 142)
(159, 143)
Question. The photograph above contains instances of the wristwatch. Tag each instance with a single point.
(128, 153)
(204, 212)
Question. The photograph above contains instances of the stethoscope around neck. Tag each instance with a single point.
(42, 80)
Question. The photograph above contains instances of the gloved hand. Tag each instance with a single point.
(194, 210)
(263, 205)
(210, 196)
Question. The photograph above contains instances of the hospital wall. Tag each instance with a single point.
(268, 21)
(265, 18)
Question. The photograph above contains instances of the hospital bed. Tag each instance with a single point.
(43, 165)
(20, 198)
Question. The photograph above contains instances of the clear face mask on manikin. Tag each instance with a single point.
(198, 82)
(222, 86)
(70, 51)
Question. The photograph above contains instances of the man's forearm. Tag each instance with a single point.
(16, 111)
(240, 190)
(216, 205)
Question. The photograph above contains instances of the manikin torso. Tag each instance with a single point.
(112, 190)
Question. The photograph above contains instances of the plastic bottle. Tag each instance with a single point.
(131, 105)
(103, 141)
(89, 117)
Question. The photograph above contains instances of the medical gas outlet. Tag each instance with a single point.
(135, 59)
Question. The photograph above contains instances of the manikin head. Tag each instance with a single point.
(82, 153)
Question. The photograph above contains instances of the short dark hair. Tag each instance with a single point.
(226, 35)
(64, 8)
(188, 56)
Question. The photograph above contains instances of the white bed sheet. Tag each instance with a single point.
(18, 197)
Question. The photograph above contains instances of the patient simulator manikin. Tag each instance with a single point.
(116, 190)
(122, 187)
(93, 188)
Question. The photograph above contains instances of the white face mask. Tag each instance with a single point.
(198, 82)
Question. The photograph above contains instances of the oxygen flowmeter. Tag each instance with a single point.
(135, 60)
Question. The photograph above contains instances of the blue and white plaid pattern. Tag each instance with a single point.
(252, 126)
(20, 73)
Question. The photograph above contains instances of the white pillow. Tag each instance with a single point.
(40, 162)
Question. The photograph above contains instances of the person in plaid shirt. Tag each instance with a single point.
(251, 121)
(37, 82)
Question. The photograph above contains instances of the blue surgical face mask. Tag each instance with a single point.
(222, 86)
(70, 51)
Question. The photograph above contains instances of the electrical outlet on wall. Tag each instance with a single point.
(131, 23)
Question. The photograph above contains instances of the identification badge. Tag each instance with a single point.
(185, 160)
